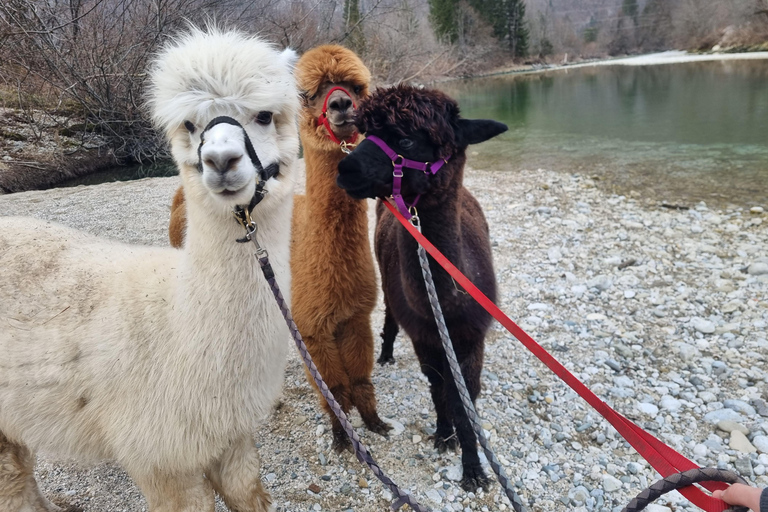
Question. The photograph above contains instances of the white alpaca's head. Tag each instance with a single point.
(206, 74)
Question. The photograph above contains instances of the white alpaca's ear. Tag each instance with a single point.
(289, 58)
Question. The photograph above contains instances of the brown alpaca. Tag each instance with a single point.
(334, 280)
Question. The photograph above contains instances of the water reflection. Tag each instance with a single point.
(682, 132)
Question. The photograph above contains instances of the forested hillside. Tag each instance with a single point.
(85, 59)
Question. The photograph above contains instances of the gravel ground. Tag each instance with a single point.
(661, 312)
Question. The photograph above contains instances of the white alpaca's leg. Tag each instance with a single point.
(18, 488)
(176, 493)
(236, 478)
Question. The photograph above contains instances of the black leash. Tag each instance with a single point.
(677, 481)
(363, 455)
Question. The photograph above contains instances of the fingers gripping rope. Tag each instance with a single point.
(677, 481)
(461, 386)
(362, 453)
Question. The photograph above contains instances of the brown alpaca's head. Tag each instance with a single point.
(319, 71)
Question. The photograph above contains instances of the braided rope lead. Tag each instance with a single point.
(453, 363)
(362, 453)
(677, 481)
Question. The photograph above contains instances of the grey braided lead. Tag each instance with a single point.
(453, 363)
(677, 481)
(362, 453)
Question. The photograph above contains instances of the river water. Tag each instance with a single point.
(678, 133)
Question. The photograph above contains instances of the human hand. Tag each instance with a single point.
(740, 494)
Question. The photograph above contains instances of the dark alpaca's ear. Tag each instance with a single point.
(473, 131)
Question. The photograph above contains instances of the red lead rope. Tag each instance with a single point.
(663, 458)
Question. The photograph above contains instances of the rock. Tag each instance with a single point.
(687, 352)
(649, 409)
(434, 496)
(362, 483)
(700, 450)
(731, 306)
(554, 254)
(756, 209)
(314, 488)
(669, 403)
(596, 317)
(740, 406)
(739, 442)
(730, 426)
(453, 473)
(723, 414)
(416, 439)
(601, 282)
(761, 443)
(397, 427)
(702, 325)
(611, 483)
(653, 507)
(758, 269)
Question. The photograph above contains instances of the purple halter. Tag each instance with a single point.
(398, 162)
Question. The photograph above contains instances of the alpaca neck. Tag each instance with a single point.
(326, 201)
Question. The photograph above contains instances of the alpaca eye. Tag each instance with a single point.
(357, 89)
(189, 126)
(264, 117)
(406, 143)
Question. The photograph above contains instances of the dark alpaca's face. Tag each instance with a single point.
(418, 124)
(367, 171)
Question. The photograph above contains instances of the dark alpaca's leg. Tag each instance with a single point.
(471, 364)
(355, 340)
(388, 337)
(325, 355)
(434, 367)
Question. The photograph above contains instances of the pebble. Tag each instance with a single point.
(740, 442)
(723, 414)
(730, 426)
(761, 443)
(611, 484)
(702, 325)
(758, 269)
(649, 409)
(740, 406)
(670, 404)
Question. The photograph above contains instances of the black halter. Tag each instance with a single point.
(265, 174)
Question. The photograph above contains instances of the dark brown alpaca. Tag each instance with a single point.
(424, 125)
(334, 279)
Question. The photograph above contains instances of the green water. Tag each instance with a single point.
(677, 133)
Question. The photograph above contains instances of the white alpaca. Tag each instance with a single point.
(164, 360)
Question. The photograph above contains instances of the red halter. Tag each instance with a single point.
(323, 119)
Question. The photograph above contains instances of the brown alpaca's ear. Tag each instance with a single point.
(474, 131)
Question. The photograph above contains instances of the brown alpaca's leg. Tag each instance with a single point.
(325, 355)
(355, 340)
(18, 488)
(178, 224)
(167, 492)
(236, 477)
(388, 336)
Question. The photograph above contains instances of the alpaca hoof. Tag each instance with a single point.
(341, 443)
(379, 426)
(386, 359)
(443, 444)
(474, 478)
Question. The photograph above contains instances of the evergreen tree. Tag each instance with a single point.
(444, 17)
(508, 20)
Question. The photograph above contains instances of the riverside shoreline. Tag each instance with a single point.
(661, 312)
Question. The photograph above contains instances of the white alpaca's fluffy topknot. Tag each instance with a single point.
(206, 73)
